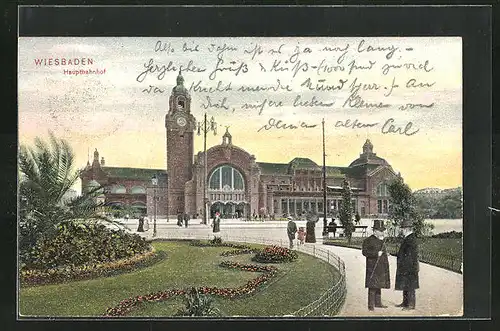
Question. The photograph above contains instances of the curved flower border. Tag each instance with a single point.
(127, 305)
(72, 273)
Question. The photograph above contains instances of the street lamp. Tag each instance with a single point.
(202, 127)
(325, 230)
(154, 181)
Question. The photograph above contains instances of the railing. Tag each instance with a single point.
(331, 301)
(448, 262)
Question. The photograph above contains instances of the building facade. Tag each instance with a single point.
(238, 185)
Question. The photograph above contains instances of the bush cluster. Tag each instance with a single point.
(275, 254)
(448, 235)
(216, 241)
(72, 273)
(78, 244)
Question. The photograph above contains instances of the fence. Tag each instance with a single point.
(448, 262)
(331, 301)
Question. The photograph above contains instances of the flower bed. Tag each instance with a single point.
(127, 305)
(240, 251)
(71, 273)
(275, 254)
(199, 243)
(238, 248)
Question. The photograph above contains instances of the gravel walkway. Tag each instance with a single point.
(440, 293)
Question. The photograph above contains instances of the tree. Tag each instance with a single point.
(403, 205)
(45, 176)
(446, 204)
(345, 212)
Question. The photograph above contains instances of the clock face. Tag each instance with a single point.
(181, 121)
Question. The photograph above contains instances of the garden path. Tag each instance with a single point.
(440, 293)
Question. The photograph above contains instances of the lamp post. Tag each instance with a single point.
(154, 181)
(325, 231)
(202, 127)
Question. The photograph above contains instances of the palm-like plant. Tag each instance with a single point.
(197, 304)
(45, 175)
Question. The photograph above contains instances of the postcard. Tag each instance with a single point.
(240, 177)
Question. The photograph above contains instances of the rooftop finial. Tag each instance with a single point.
(368, 147)
(180, 79)
(227, 138)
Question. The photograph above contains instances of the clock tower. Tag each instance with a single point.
(180, 126)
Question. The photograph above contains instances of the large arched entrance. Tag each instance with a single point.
(227, 192)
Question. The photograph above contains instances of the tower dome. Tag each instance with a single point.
(368, 157)
(179, 88)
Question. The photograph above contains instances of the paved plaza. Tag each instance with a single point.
(440, 293)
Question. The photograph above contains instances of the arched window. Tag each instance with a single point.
(382, 190)
(226, 178)
(138, 190)
(118, 189)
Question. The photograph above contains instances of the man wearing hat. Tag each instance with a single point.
(377, 265)
(291, 229)
(407, 266)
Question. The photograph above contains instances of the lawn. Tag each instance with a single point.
(185, 266)
(442, 252)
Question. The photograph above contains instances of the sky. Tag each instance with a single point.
(111, 110)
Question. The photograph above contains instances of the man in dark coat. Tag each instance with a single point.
(179, 219)
(407, 266)
(333, 226)
(312, 219)
(186, 219)
(291, 229)
(357, 219)
(377, 265)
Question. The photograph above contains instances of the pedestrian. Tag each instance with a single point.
(333, 226)
(179, 219)
(407, 266)
(290, 230)
(146, 223)
(216, 223)
(377, 265)
(301, 235)
(312, 219)
(357, 219)
(186, 219)
(140, 228)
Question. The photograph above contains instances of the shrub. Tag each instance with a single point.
(35, 277)
(275, 254)
(76, 244)
(216, 241)
(448, 235)
(197, 304)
